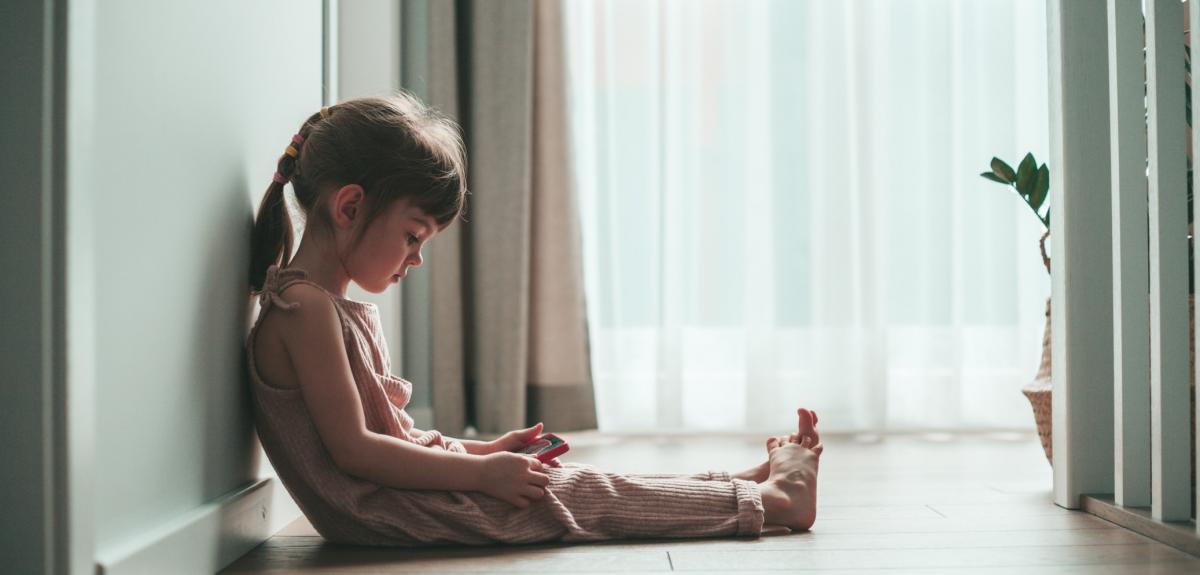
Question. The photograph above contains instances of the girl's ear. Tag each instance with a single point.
(347, 205)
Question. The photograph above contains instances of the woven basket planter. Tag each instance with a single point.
(1038, 391)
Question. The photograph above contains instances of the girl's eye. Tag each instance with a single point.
(412, 239)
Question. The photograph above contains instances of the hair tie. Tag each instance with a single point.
(325, 111)
(279, 179)
(297, 139)
(292, 151)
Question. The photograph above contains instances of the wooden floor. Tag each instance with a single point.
(970, 504)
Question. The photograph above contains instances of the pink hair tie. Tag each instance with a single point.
(297, 139)
(279, 179)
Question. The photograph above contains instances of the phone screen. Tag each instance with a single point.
(544, 443)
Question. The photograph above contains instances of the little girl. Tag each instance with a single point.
(377, 178)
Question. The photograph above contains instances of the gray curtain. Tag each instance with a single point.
(497, 315)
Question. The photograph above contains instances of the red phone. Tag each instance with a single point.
(545, 447)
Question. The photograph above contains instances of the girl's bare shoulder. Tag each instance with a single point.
(284, 334)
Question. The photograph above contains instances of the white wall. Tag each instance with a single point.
(194, 102)
(172, 115)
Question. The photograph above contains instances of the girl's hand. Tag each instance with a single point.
(516, 438)
(517, 479)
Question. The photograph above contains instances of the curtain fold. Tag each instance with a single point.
(507, 325)
(560, 380)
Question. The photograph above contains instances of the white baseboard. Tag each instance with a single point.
(210, 537)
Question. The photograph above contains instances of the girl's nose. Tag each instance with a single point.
(416, 259)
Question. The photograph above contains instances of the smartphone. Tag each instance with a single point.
(546, 447)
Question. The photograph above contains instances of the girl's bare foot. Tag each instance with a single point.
(789, 494)
(789, 491)
(758, 474)
(807, 426)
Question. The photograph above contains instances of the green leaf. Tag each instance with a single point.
(1003, 171)
(1046, 220)
(993, 178)
(1027, 175)
(1040, 189)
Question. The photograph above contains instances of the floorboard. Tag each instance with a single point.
(973, 503)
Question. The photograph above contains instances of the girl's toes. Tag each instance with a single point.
(772, 443)
(806, 424)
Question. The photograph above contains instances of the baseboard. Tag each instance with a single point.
(1181, 535)
(210, 537)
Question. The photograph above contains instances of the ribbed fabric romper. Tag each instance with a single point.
(581, 503)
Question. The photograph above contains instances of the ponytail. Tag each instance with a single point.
(271, 239)
(272, 235)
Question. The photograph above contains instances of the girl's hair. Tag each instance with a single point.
(394, 147)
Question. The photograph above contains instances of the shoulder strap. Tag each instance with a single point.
(278, 280)
(269, 294)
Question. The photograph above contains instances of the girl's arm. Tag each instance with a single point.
(507, 442)
(473, 447)
(400, 464)
(313, 340)
(386, 460)
(476, 447)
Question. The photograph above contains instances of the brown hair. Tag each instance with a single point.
(394, 147)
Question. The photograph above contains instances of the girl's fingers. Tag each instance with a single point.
(533, 493)
(519, 437)
(540, 479)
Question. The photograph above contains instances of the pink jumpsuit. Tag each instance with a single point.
(581, 503)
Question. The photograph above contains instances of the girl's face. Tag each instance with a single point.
(391, 245)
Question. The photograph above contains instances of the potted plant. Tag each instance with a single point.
(1032, 184)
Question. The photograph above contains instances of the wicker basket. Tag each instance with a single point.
(1038, 391)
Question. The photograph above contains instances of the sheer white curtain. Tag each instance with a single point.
(781, 206)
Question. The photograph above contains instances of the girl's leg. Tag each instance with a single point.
(584, 504)
(581, 504)
(597, 505)
(806, 427)
(702, 476)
